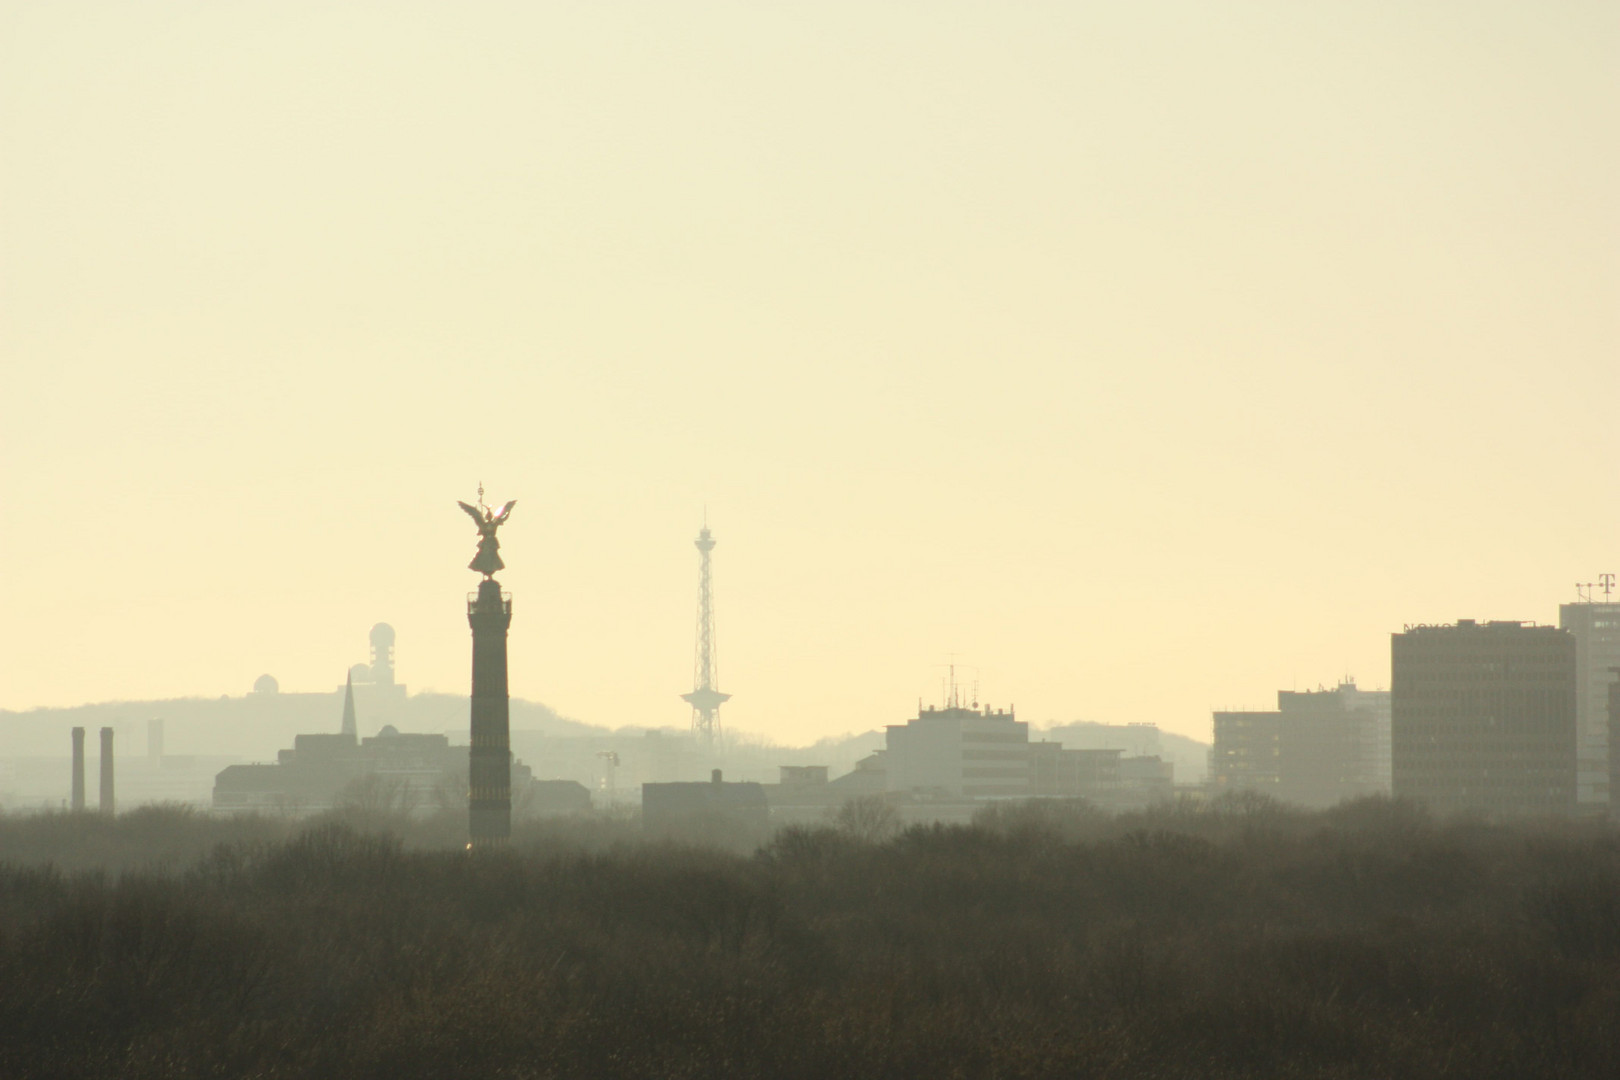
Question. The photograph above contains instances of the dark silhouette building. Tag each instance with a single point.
(1483, 717)
(728, 814)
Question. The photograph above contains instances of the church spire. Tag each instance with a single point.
(348, 707)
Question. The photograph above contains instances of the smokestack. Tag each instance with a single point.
(78, 770)
(106, 771)
(154, 738)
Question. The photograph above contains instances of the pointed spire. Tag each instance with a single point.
(348, 707)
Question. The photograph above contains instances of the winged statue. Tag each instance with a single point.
(488, 559)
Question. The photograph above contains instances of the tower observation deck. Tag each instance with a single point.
(705, 697)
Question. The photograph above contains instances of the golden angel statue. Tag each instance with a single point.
(488, 559)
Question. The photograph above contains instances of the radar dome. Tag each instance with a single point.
(382, 636)
(266, 684)
(360, 673)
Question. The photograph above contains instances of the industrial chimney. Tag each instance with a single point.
(78, 770)
(107, 771)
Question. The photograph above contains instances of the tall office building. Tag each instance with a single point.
(1334, 744)
(1483, 717)
(1597, 653)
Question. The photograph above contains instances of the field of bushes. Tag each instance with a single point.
(1233, 938)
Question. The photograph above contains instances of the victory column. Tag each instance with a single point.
(489, 760)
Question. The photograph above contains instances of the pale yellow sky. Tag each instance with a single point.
(1149, 357)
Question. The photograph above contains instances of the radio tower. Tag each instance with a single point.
(704, 698)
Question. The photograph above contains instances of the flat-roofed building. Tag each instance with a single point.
(721, 812)
(1145, 781)
(1246, 755)
(957, 752)
(1058, 772)
(1483, 717)
(1333, 744)
(1317, 749)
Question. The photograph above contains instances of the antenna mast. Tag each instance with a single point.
(705, 699)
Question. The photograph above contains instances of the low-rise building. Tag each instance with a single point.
(1145, 781)
(728, 814)
(1058, 772)
(391, 771)
(956, 752)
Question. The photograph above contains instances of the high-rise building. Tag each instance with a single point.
(1597, 653)
(1333, 744)
(1483, 717)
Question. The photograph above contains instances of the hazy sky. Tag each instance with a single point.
(1150, 357)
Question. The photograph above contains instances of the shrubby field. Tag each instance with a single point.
(1235, 938)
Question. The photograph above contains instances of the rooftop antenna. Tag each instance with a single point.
(948, 687)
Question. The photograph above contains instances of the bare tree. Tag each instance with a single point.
(867, 818)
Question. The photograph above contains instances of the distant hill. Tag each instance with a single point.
(253, 727)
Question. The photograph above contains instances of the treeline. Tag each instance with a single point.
(1235, 938)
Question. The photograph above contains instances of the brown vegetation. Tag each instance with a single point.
(1234, 939)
